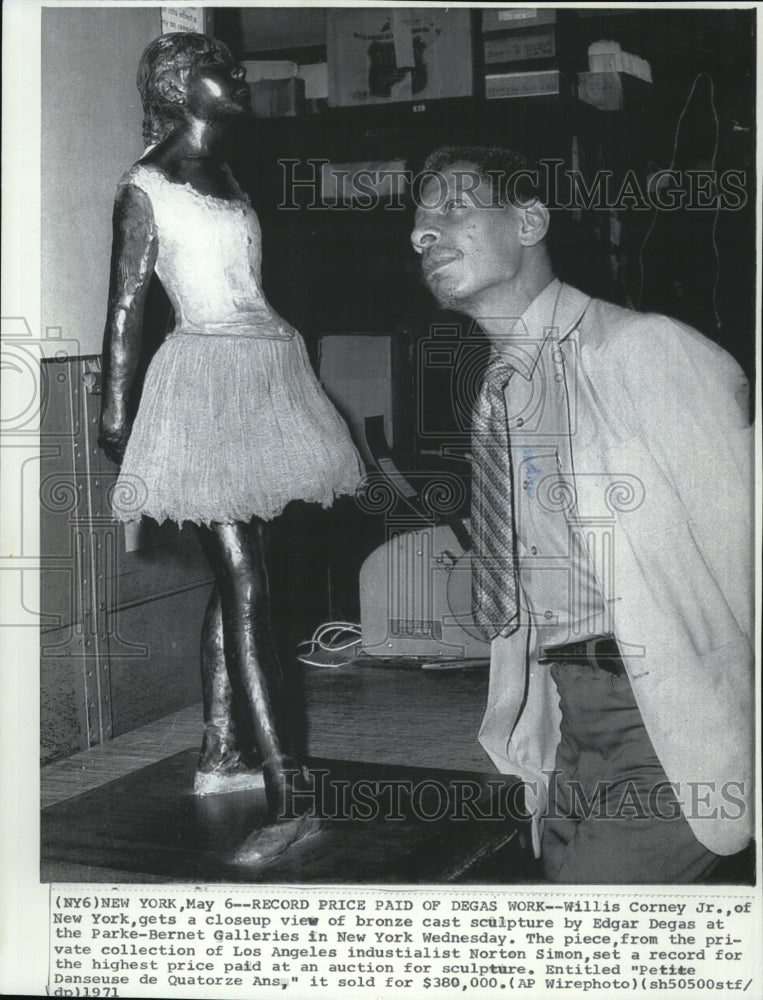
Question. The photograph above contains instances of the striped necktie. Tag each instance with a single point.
(494, 587)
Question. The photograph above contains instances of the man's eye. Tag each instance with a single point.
(454, 203)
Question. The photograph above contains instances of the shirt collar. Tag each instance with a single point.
(552, 315)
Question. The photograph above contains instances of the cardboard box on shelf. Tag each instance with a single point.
(607, 56)
(278, 98)
(315, 76)
(518, 47)
(611, 91)
(383, 55)
(503, 18)
(532, 84)
(269, 69)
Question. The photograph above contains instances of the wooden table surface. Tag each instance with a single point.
(382, 714)
(421, 718)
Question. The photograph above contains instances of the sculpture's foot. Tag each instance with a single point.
(221, 769)
(267, 843)
(220, 782)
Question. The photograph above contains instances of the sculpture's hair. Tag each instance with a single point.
(513, 176)
(171, 55)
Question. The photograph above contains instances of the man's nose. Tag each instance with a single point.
(423, 236)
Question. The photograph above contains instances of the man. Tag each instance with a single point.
(611, 545)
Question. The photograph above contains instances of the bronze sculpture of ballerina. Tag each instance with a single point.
(232, 422)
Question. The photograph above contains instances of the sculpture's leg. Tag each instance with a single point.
(228, 761)
(237, 555)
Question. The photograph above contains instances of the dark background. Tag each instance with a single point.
(336, 270)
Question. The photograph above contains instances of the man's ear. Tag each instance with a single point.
(170, 88)
(534, 223)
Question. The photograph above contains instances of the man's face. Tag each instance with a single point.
(469, 246)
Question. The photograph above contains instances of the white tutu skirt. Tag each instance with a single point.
(230, 427)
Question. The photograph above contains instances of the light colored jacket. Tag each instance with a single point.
(662, 453)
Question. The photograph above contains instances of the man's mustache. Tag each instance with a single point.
(430, 260)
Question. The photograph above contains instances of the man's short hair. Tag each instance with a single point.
(515, 178)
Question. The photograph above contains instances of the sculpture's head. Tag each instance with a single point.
(186, 74)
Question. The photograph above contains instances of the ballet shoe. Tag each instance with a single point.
(220, 782)
(222, 770)
(268, 842)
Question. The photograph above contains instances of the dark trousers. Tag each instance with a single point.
(612, 816)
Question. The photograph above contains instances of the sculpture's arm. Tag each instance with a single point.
(133, 256)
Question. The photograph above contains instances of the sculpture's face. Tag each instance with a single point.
(215, 87)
